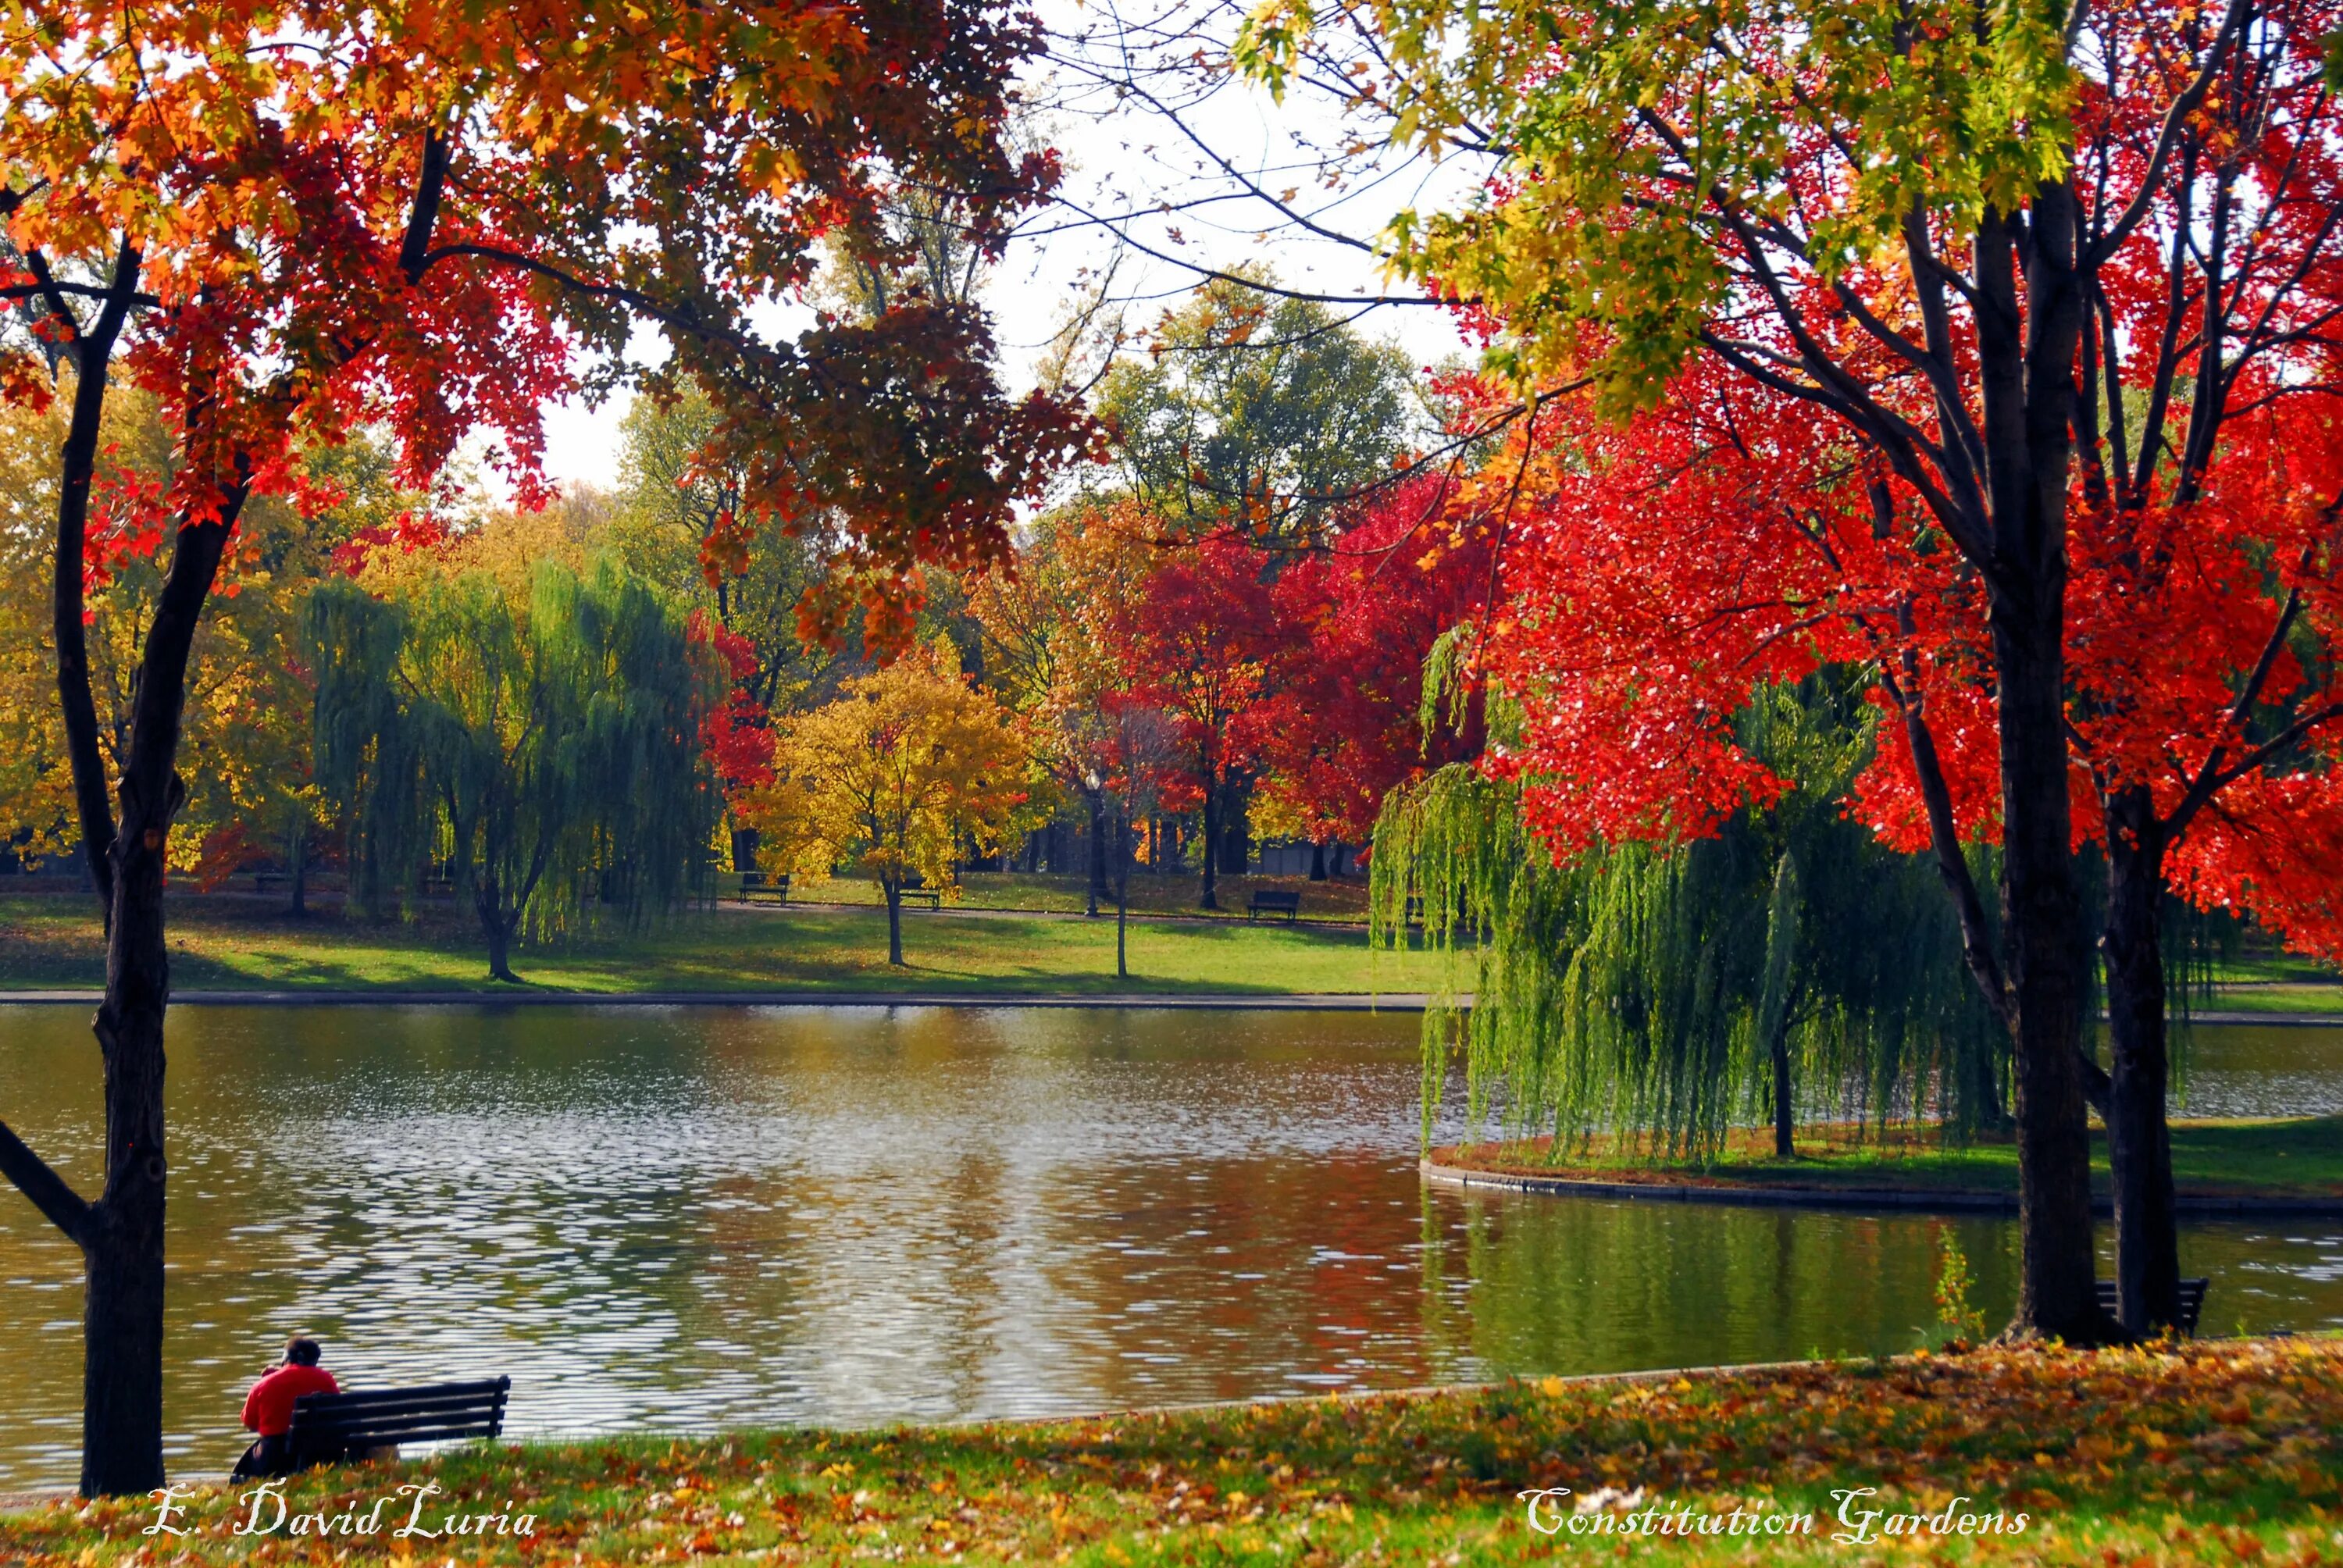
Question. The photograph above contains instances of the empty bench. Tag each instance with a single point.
(915, 891)
(1273, 901)
(2192, 1302)
(756, 888)
(332, 1428)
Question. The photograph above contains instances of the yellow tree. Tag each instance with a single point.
(909, 763)
(1044, 620)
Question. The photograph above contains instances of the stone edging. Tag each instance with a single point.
(1952, 1201)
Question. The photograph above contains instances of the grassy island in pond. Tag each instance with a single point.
(2220, 1451)
(2294, 1158)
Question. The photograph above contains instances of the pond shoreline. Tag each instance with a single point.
(2274, 1165)
(1203, 1001)
(2235, 1462)
(1939, 1201)
(1214, 1002)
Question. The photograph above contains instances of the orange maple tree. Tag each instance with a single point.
(288, 220)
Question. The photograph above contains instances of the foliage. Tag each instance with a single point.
(246, 753)
(908, 765)
(1961, 1322)
(545, 749)
(2205, 1452)
(1342, 726)
(1785, 963)
(1992, 349)
(1198, 646)
(1257, 417)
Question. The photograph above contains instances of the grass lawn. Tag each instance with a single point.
(2211, 1452)
(2303, 1156)
(1345, 899)
(227, 943)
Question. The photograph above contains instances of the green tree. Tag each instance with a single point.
(1257, 413)
(1788, 965)
(546, 747)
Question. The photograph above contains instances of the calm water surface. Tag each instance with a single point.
(670, 1218)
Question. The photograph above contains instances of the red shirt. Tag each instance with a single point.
(268, 1408)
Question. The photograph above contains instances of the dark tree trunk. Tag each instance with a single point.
(1784, 1109)
(2042, 927)
(122, 1238)
(1236, 832)
(1210, 898)
(2026, 355)
(1097, 889)
(1122, 896)
(892, 885)
(497, 929)
(1317, 860)
(297, 871)
(2139, 1146)
(744, 849)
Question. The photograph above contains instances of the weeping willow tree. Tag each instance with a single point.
(544, 750)
(1789, 967)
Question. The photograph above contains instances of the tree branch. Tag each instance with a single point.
(58, 1201)
(2168, 136)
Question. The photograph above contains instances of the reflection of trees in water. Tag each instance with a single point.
(1568, 1284)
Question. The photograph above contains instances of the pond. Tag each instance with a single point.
(689, 1218)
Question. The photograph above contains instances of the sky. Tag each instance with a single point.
(1124, 161)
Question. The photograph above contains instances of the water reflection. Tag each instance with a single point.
(692, 1218)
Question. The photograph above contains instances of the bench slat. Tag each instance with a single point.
(381, 1440)
(351, 1399)
(2192, 1300)
(435, 1410)
(401, 1431)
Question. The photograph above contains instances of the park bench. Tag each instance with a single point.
(2192, 1302)
(756, 888)
(335, 1428)
(263, 881)
(915, 891)
(1273, 901)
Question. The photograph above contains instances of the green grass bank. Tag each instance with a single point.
(2214, 1452)
(2302, 1157)
(249, 943)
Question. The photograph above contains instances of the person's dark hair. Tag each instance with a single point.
(301, 1350)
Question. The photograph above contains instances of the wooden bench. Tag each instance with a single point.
(1273, 901)
(2192, 1302)
(915, 891)
(263, 881)
(756, 888)
(334, 1427)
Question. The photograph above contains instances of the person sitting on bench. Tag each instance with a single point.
(268, 1408)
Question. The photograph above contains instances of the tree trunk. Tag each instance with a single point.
(2139, 1145)
(1098, 855)
(1211, 898)
(1317, 860)
(1784, 1109)
(497, 929)
(744, 849)
(122, 1240)
(1123, 897)
(892, 885)
(2042, 933)
(298, 872)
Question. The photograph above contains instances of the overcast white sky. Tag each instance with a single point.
(1129, 159)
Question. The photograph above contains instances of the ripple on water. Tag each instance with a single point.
(680, 1219)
